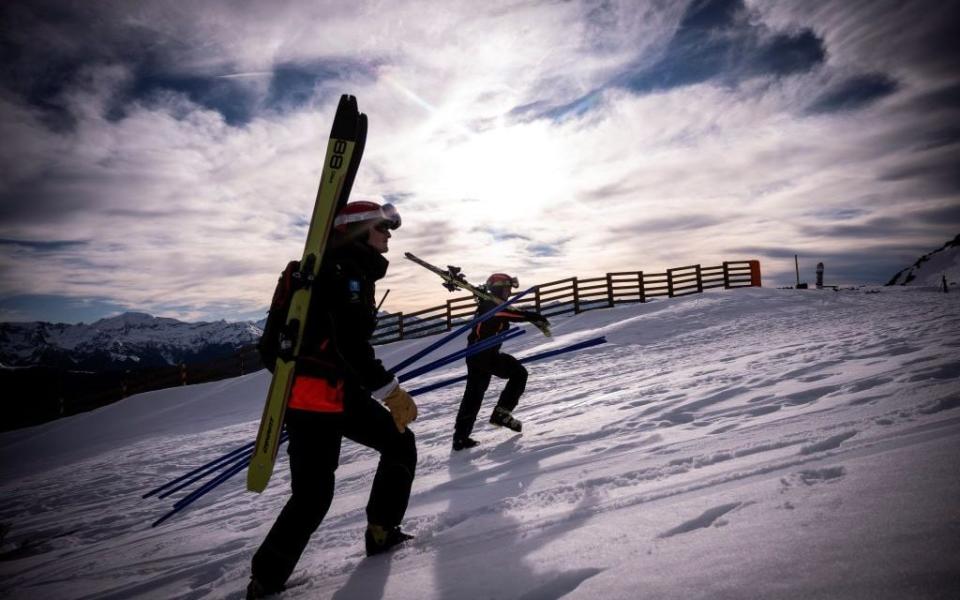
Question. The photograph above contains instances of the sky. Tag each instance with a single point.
(164, 157)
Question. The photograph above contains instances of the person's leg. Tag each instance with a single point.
(509, 368)
(314, 450)
(368, 422)
(478, 380)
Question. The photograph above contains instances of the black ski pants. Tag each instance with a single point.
(314, 450)
(480, 368)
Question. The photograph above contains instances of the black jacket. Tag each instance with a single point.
(498, 323)
(343, 317)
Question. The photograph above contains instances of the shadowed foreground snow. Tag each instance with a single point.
(742, 444)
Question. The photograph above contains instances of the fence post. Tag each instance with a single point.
(670, 283)
(755, 273)
(183, 373)
(609, 290)
(643, 294)
(449, 315)
(726, 275)
(536, 299)
(400, 325)
(699, 281)
(576, 295)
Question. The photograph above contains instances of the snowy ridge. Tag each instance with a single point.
(930, 269)
(738, 444)
(118, 342)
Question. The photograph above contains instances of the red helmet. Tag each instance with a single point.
(363, 210)
(502, 279)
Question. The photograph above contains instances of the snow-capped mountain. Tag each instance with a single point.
(931, 268)
(121, 342)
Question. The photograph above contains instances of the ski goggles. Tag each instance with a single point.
(386, 215)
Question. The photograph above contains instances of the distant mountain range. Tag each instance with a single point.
(128, 341)
(930, 269)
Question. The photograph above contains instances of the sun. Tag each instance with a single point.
(515, 173)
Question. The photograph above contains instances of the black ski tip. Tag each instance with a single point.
(361, 129)
(346, 122)
(360, 141)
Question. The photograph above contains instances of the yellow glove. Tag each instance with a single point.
(402, 408)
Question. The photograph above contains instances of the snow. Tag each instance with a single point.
(930, 269)
(749, 443)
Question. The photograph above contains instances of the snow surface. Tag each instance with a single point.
(749, 443)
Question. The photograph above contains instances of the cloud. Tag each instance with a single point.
(40, 307)
(502, 235)
(715, 40)
(854, 93)
(44, 245)
(674, 224)
(182, 146)
(540, 250)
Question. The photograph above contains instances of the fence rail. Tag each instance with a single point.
(576, 295)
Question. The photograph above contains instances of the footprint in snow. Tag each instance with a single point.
(825, 475)
(703, 521)
(813, 477)
(828, 444)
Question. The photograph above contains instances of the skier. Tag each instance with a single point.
(335, 392)
(483, 365)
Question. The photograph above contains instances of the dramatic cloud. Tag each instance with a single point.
(164, 158)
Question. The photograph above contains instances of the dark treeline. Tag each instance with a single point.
(35, 395)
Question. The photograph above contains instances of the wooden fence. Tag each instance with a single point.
(575, 295)
(56, 393)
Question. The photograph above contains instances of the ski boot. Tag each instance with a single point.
(463, 443)
(503, 418)
(380, 539)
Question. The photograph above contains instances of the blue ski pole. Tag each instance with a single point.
(239, 463)
(412, 359)
(244, 452)
(228, 457)
(547, 354)
(244, 458)
(406, 362)
(460, 354)
(192, 497)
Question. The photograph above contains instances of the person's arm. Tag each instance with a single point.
(492, 325)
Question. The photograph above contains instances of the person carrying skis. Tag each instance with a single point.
(335, 394)
(487, 363)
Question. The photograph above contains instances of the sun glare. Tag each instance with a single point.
(513, 172)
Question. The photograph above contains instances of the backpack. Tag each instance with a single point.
(274, 334)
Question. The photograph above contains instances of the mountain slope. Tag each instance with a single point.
(130, 340)
(930, 269)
